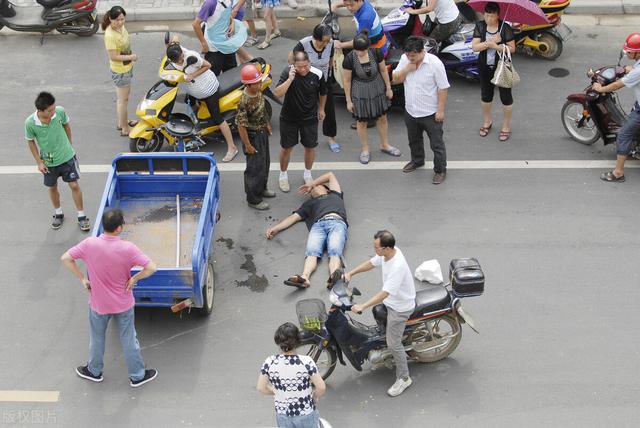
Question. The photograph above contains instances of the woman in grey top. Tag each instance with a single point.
(319, 47)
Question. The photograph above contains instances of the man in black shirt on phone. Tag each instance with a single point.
(305, 95)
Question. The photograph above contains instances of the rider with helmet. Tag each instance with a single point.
(253, 120)
(625, 140)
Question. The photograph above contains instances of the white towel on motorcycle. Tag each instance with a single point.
(202, 86)
(429, 271)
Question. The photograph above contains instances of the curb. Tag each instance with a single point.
(181, 13)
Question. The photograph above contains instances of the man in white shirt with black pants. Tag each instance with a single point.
(398, 295)
(425, 92)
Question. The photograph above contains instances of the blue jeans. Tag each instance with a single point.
(628, 132)
(330, 234)
(312, 420)
(128, 340)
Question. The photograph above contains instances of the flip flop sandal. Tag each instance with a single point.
(230, 156)
(335, 147)
(504, 136)
(298, 282)
(392, 151)
(484, 131)
(276, 35)
(122, 134)
(365, 158)
(611, 178)
(264, 45)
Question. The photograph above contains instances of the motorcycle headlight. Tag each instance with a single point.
(144, 104)
(335, 300)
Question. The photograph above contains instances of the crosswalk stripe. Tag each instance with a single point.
(357, 166)
(30, 396)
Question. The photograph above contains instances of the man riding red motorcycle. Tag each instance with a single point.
(626, 136)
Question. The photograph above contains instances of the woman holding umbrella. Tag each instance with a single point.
(489, 37)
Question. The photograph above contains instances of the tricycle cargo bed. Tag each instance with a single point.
(153, 224)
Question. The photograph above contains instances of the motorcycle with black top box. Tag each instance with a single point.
(432, 333)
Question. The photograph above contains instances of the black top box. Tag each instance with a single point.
(466, 276)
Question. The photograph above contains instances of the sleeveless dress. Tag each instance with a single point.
(367, 89)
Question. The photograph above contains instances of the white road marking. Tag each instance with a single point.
(357, 166)
(30, 396)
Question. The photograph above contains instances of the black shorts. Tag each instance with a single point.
(69, 171)
(290, 132)
(220, 62)
(213, 105)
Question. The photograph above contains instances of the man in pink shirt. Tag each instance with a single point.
(109, 261)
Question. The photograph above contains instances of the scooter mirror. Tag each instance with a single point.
(620, 56)
(167, 37)
(356, 292)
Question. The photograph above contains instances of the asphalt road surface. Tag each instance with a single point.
(559, 339)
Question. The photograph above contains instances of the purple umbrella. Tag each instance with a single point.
(520, 11)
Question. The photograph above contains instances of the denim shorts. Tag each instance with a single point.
(312, 420)
(122, 80)
(329, 234)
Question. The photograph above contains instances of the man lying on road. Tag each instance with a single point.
(326, 219)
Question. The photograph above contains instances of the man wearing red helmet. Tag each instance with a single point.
(625, 140)
(254, 127)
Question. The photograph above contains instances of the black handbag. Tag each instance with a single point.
(428, 25)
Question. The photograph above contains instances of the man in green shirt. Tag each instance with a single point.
(48, 135)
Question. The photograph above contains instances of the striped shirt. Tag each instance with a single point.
(421, 86)
(202, 86)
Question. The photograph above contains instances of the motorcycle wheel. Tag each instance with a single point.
(325, 358)
(447, 335)
(140, 145)
(570, 114)
(555, 46)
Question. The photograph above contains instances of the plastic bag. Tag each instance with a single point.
(429, 271)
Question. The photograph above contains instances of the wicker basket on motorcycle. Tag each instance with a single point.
(466, 276)
(311, 314)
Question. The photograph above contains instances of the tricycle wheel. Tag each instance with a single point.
(207, 292)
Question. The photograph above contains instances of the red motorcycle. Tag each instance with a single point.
(589, 115)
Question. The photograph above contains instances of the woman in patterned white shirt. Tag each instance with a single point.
(289, 377)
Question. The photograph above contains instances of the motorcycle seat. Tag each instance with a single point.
(52, 3)
(430, 299)
(394, 56)
(229, 80)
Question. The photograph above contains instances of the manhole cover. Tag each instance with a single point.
(558, 72)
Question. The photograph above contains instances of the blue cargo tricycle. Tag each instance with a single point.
(170, 205)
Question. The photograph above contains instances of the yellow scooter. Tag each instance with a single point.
(156, 107)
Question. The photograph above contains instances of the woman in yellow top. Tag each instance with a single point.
(118, 45)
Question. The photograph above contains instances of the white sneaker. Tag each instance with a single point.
(283, 183)
(399, 386)
(293, 4)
